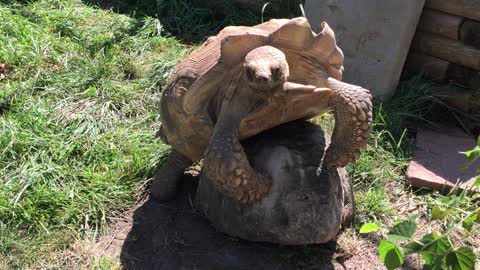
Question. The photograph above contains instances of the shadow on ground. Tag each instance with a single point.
(174, 236)
(189, 21)
(193, 21)
(129, 7)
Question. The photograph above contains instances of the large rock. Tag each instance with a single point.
(375, 36)
(305, 205)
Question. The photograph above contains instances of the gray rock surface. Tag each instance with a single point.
(304, 206)
(375, 36)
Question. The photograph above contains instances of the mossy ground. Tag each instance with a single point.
(79, 110)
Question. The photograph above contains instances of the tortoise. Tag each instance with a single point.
(308, 203)
(248, 79)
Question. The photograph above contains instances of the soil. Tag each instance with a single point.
(175, 236)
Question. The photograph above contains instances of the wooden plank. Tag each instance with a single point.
(440, 23)
(451, 50)
(470, 33)
(467, 77)
(431, 67)
(464, 8)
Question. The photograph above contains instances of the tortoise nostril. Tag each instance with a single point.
(262, 78)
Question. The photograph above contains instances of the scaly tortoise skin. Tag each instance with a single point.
(249, 79)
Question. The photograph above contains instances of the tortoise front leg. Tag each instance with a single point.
(166, 181)
(226, 164)
(352, 108)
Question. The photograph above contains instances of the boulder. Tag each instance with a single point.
(306, 205)
(375, 36)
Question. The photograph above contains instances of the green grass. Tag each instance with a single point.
(192, 21)
(78, 114)
(380, 184)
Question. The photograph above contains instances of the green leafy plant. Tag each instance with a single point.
(436, 249)
(472, 156)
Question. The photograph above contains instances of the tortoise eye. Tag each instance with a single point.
(275, 72)
(250, 73)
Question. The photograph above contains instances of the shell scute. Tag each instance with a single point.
(209, 65)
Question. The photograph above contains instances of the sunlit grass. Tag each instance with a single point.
(77, 132)
(79, 111)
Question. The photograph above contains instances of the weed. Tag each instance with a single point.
(388, 152)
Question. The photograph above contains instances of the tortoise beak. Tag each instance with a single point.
(296, 88)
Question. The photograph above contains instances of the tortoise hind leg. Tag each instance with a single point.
(168, 176)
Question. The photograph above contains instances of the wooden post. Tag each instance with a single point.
(447, 49)
(463, 8)
(470, 33)
(440, 23)
(432, 67)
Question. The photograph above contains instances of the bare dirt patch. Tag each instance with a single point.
(175, 236)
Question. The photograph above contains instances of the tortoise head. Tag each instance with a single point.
(265, 69)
